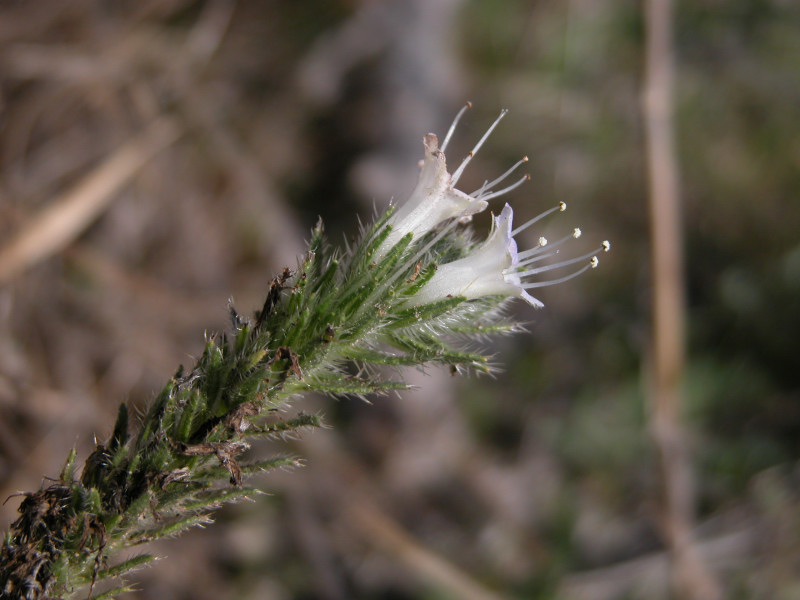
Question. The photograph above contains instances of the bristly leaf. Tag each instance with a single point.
(214, 498)
(68, 472)
(170, 529)
(125, 567)
(287, 427)
(120, 436)
(113, 593)
(276, 462)
(416, 315)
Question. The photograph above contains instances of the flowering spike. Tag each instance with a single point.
(407, 293)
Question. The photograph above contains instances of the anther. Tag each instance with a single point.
(606, 246)
(576, 233)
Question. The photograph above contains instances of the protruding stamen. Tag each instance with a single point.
(539, 249)
(558, 265)
(457, 175)
(538, 284)
(515, 269)
(505, 190)
(560, 207)
(452, 129)
(487, 185)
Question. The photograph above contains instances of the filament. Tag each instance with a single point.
(576, 233)
(452, 129)
(561, 206)
(558, 265)
(505, 190)
(474, 151)
(583, 269)
(486, 185)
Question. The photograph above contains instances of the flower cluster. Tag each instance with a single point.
(495, 267)
(415, 291)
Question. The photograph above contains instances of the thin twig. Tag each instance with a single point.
(650, 572)
(66, 217)
(362, 514)
(690, 575)
(390, 537)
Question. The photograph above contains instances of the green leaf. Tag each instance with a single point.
(68, 472)
(118, 570)
(171, 529)
(377, 357)
(113, 593)
(214, 498)
(290, 425)
(340, 385)
(120, 436)
(276, 462)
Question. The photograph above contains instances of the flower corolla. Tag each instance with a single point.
(435, 199)
(497, 268)
(486, 271)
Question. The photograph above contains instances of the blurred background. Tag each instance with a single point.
(159, 157)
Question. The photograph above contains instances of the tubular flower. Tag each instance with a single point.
(496, 268)
(435, 198)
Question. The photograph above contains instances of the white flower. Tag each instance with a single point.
(435, 198)
(496, 268)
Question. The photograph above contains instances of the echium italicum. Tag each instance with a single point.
(413, 289)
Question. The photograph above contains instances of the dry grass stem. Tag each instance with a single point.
(691, 577)
(67, 216)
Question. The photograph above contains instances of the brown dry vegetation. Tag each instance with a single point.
(160, 157)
